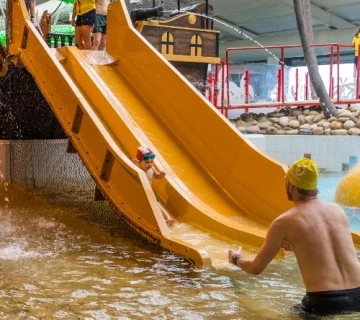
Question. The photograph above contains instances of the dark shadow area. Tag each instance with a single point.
(24, 112)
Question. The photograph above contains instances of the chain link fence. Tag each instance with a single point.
(46, 168)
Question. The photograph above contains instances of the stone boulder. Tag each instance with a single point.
(283, 121)
(354, 132)
(313, 113)
(301, 119)
(292, 132)
(309, 119)
(318, 131)
(264, 125)
(305, 132)
(318, 118)
(295, 124)
(331, 119)
(253, 129)
(274, 120)
(335, 125)
(345, 113)
(349, 124)
(305, 126)
(343, 119)
(240, 123)
(271, 130)
(326, 125)
(339, 132)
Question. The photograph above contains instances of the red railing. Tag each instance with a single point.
(223, 88)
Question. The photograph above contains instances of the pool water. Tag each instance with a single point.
(327, 185)
(56, 262)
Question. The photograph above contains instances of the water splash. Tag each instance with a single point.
(16, 252)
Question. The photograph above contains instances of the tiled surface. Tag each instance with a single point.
(330, 152)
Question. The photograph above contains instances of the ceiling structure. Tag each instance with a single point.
(267, 22)
(273, 22)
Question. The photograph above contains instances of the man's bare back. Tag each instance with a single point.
(101, 6)
(319, 235)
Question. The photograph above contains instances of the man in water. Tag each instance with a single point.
(99, 32)
(319, 235)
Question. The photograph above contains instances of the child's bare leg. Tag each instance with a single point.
(167, 217)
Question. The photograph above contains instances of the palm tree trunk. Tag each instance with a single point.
(309, 32)
(306, 34)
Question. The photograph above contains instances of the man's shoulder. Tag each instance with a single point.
(285, 218)
(289, 217)
(330, 205)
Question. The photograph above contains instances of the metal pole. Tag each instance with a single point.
(227, 83)
(178, 3)
(222, 86)
(153, 3)
(338, 72)
(282, 74)
(296, 84)
(207, 13)
(216, 92)
(247, 80)
(331, 68)
(279, 85)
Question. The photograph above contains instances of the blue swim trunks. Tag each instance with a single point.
(86, 19)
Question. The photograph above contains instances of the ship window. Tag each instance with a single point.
(196, 45)
(167, 43)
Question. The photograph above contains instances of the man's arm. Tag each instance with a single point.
(268, 251)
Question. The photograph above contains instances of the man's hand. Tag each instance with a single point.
(233, 253)
(73, 21)
(286, 246)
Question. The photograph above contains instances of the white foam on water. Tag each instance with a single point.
(16, 252)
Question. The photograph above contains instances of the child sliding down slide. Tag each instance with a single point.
(145, 160)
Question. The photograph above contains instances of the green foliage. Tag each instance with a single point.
(67, 29)
(3, 38)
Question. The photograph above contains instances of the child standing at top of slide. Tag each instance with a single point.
(145, 160)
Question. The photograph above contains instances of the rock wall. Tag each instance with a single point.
(301, 120)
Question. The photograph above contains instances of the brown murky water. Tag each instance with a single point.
(56, 263)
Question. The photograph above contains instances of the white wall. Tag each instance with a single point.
(330, 152)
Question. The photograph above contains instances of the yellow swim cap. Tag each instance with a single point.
(303, 174)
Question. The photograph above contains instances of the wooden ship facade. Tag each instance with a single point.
(187, 40)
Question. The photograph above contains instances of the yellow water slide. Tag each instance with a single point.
(221, 189)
